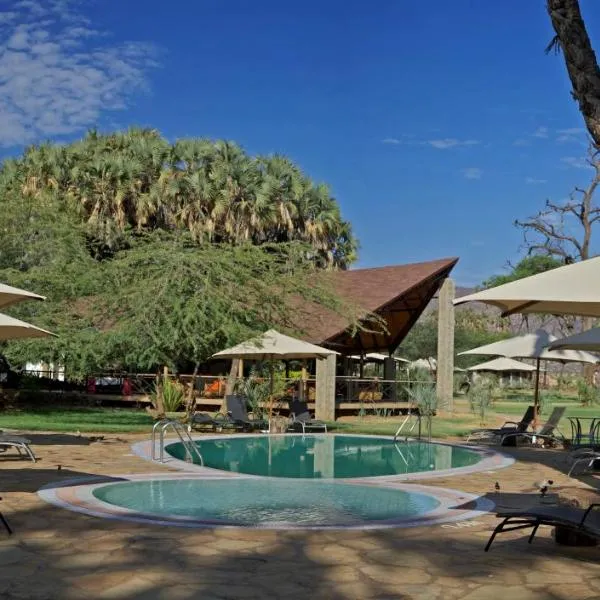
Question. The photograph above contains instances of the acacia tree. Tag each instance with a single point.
(572, 38)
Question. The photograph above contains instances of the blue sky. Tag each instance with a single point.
(436, 124)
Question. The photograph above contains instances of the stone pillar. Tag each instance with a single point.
(389, 374)
(445, 350)
(325, 392)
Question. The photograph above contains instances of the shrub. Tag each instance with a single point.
(481, 396)
(172, 393)
(586, 393)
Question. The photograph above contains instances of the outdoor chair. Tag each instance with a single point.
(481, 435)
(21, 444)
(300, 418)
(588, 455)
(204, 420)
(237, 414)
(578, 520)
(545, 432)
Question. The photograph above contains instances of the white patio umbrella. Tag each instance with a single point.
(503, 364)
(570, 290)
(272, 346)
(588, 340)
(11, 328)
(11, 295)
(533, 345)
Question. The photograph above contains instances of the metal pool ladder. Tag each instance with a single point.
(409, 423)
(186, 439)
(412, 420)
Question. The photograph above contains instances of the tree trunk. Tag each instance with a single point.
(190, 403)
(580, 59)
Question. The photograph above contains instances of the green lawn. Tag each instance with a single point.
(128, 420)
(97, 420)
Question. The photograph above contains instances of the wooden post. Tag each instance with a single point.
(236, 367)
(445, 350)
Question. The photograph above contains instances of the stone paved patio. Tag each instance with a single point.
(59, 554)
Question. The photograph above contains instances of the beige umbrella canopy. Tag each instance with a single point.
(273, 345)
(588, 340)
(570, 290)
(503, 364)
(533, 345)
(11, 295)
(11, 328)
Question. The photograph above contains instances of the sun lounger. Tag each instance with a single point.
(21, 444)
(582, 521)
(545, 432)
(204, 420)
(237, 414)
(482, 435)
(301, 419)
(589, 455)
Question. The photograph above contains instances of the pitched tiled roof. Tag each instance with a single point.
(397, 294)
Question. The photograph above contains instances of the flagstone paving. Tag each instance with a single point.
(59, 554)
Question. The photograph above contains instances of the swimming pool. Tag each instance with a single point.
(327, 456)
(191, 500)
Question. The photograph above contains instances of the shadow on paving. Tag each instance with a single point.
(61, 439)
(554, 458)
(75, 556)
(30, 481)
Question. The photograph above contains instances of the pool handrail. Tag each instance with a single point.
(182, 434)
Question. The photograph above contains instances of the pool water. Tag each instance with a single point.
(326, 456)
(256, 502)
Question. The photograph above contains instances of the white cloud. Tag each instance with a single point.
(540, 132)
(445, 143)
(521, 142)
(390, 140)
(575, 162)
(58, 75)
(472, 173)
(572, 134)
(534, 180)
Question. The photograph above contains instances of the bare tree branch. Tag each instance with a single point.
(565, 230)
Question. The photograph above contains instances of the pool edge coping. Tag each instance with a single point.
(82, 500)
(501, 460)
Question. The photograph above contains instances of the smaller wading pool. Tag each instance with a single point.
(196, 501)
(328, 456)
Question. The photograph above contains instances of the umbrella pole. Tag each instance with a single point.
(536, 394)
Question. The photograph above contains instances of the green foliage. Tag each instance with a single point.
(165, 301)
(256, 391)
(421, 390)
(423, 396)
(154, 254)
(119, 185)
(173, 394)
(530, 265)
(481, 396)
(586, 394)
(471, 329)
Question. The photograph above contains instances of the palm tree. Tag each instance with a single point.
(572, 38)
